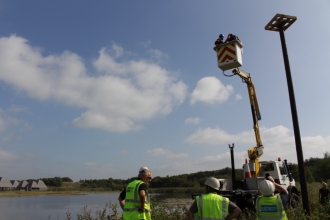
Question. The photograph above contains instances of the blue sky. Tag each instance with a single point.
(97, 89)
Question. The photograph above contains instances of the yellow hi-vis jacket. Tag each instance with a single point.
(211, 207)
(270, 208)
(132, 202)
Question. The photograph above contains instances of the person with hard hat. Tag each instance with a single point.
(270, 206)
(231, 37)
(211, 205)
(134, 199)
(219, 40)
(324, 194)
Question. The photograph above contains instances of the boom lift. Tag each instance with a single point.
(229, 56)
(256, 152)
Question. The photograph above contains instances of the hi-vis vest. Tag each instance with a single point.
(270, 208)
(132, 202)
(211, 207)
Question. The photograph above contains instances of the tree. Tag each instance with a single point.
(309, 175)
(67, 179)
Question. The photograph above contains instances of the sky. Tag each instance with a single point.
(97, 89)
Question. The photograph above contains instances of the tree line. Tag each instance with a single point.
(314, 168)
(56, 181)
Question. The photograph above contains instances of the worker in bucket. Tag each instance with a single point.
(134, 199)
(219, 40)
(211, 205)
(231, 37)
(270, 206)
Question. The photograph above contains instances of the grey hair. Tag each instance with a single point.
(144, 172)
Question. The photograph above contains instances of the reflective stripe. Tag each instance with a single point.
(224, 204)
(280, 213)
(136, 192)
(137, 196)
(200, 208)
(201, 205)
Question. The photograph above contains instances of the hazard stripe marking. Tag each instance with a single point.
(226, 53)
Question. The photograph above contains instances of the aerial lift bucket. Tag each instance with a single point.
(229, 55)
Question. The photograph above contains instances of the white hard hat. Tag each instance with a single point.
(266, 188)
(213, 183)
(142, 169)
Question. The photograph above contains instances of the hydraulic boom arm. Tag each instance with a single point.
(254, 152)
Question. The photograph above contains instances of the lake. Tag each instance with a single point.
(53, 207)
(56, 207)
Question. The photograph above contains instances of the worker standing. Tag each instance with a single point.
(270, 206)
(134, 199)
(219, 40)
(211, 205)
(324, 194)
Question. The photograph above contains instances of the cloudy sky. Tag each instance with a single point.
(93, 90)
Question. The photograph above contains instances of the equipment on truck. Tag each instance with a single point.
(243, 191)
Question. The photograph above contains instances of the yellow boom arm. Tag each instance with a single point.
(255, 152)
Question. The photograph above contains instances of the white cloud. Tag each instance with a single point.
(166, 153)
(193, 121)
(16, 109)
(119, 51)
(216, 136)
(8, 121)
(90, 164)
(146, 44)
(210, 90)
(278, 142)
(238, 97)
(123, 152)
(206, 163)
(7, 156)
(123, 94)
(158, 56)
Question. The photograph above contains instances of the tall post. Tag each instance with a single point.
(233, 173)
(280, 23)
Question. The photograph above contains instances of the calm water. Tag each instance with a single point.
(52, 207)
(56, 207)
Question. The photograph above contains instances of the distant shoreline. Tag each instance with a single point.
(72, 189)
(48, 193)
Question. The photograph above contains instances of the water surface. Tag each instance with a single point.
(53, 207)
